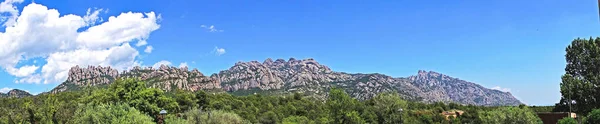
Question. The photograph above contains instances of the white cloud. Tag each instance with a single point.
(163, 62)
(59, 63)
(501, 89)
(41, 32)
(183, 64)
(219, 51)
(30, 79)
(22, 71)
(8, 7)
(141, 43)
(211, 28)
(5, 90)
(148, 49)
(91, 18)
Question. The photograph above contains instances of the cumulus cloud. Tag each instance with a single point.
(41, 32)
(211, 28)
(5, 90)
(30, 79)
(501, 89)
(148, 49)
(183, 64)
(163, 62)
(9, 8)
(219, 51)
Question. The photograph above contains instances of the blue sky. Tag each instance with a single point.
(511, 44)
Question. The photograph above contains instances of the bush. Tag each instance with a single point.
(567, 120)
(172, 119)
(509, 115)
(297, 120)
(196, 116)
(110, 114)
(593, 117)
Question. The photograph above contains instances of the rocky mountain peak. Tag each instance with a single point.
(16, 93)
(268, 61)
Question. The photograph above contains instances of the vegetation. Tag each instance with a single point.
(130, 101)
(567, 120)
(579, 85)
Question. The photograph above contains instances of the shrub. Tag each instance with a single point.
(593, 117)
(297, 120)
(110, 114)
(195, 116)
(567, 120)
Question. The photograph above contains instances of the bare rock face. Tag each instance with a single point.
(440, 87)
(169, 78)
(165, 77)
(271, 75)
(303, 76)
(15, 93)
(308, 76)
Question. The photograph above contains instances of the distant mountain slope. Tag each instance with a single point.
(15, 93)
(304, 76)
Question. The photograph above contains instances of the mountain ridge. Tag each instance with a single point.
(15, 93)
(305, 76)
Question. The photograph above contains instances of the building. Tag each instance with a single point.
(452, 113)
(553, 117)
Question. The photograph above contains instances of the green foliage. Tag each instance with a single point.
(185, 100)
(171, 119)
(213, 117)
(134, 93)
(353, 118)
(132, 98)
(509, 115)
(387, 107)
(593, 117)
(567, 120)
(297, 120)
(339, 104)
(582, 78)
(110, 114)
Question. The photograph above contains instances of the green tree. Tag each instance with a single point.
(202, 99)
(509, 115)
(387, 107)
(197, 116)
(269, 118)
(567, 120)
(297, 120)
(110, 114)
(185, 100)
(339, 103)
(593, 117)
(581, 80)
(134, 92)
(353, 118)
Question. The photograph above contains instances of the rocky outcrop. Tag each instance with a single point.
(303, 76)
(165, 77)
(440, 87)
(309, 76)
(15, 93)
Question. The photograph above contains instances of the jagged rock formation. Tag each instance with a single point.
(165, 77)
(440, 87)
(304, 76)
(15, 93)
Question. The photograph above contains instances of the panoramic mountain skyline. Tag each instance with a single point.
(515, 46)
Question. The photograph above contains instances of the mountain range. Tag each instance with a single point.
(279, 77)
